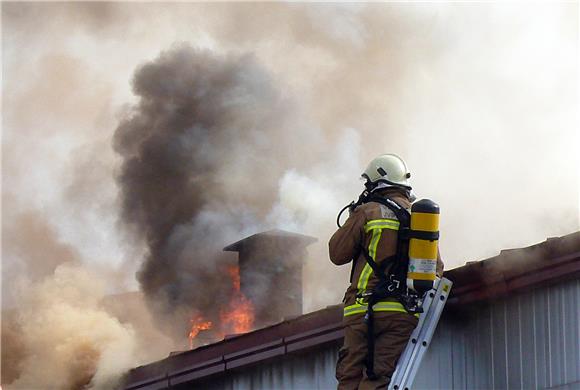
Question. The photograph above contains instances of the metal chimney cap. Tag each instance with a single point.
(269, 235)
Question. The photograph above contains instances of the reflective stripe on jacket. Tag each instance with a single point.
(375, 226)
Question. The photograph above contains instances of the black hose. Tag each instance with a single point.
(363, 198)
(342, 211)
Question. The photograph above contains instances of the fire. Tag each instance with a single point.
(234, 273)
(238, 317)
(197, 325)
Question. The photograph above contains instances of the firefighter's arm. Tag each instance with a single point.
(345, 242)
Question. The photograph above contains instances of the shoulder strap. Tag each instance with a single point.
(400, 212)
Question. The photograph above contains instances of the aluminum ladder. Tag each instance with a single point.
(414, 352)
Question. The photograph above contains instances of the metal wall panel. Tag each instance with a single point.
(528, 345)
(528, 341)
(314, 370)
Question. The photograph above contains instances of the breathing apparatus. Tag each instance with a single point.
(423, 246)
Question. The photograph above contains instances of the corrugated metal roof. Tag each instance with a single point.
(516, 269)
(546, 263)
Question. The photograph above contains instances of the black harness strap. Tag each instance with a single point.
(401, 213)
(352, 267)
(378, 293)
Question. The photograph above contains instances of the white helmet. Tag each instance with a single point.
(388, 170)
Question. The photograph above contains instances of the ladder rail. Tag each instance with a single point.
(425, 338)
(412, 346)
(400, 369)
(416, 348)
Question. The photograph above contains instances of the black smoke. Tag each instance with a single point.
(202, 151)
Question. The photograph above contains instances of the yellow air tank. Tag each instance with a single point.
(423, 246)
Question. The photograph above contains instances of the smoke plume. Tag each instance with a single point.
(202, 155)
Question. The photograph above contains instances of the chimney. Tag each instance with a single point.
(271, 273)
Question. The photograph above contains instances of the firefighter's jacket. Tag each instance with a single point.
(373, 226)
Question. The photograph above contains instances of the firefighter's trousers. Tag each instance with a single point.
(392, 331)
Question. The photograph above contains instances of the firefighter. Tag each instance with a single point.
(372, 231)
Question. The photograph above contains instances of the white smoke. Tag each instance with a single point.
(308, 202)
(69, 340)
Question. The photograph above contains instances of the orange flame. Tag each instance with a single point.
(197, 325)
(235, 276)
(239, 315)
